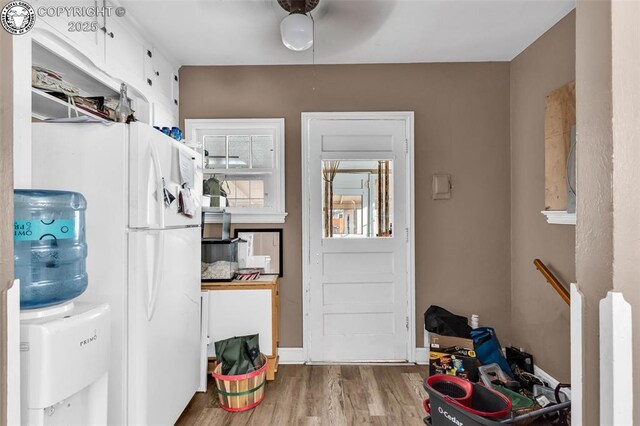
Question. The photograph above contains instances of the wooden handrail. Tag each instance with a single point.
(551, 279)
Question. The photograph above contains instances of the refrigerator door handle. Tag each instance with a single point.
(153, 285)
(159, 186)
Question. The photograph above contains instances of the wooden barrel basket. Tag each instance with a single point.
(243, 392)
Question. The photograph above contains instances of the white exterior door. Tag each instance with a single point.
(357, 268)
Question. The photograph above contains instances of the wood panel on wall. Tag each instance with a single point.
(560, 117)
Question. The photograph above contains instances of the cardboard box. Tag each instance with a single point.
(452, 355)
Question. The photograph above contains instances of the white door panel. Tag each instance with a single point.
(358, 283)
(164, 328)
(155, 163)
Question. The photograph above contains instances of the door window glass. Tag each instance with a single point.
(357, 198)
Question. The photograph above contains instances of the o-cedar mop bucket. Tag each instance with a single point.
(486, 407)
(455, 387)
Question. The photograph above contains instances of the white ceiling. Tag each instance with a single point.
(247, 32)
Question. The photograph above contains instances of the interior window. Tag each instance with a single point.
(245, 192)
(243, 167)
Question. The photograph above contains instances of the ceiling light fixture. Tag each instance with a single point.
(297, 31)
(297, 28)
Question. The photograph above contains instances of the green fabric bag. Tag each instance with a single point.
(213, 187)
(239, 355)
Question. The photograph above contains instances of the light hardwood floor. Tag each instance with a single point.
(325, 395)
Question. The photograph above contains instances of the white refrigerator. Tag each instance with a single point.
(143, 256)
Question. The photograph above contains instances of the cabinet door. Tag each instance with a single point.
(238, 313)
(124, 51)
(164, 77)
(159, 74)
(164, 116)
(82, 33)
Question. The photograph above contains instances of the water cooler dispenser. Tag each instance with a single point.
(64, 344)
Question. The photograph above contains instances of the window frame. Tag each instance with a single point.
(249, 126)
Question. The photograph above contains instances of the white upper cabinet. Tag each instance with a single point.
(110, 47)
(124, 49)
(83, 33)
(164, 76)
(163, 116)
(160, 74)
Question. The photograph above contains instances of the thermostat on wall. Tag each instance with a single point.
(441, 187)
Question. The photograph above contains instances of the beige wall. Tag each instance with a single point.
(540, 318)
(626, 174)
(461, 127)
(594, 233)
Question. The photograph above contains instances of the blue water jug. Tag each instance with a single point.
(50, 249)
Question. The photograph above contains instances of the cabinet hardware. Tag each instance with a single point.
(175, 101)
(109, 33)
(149, 54)
(175, 77)
(158, 73)
(149, 82)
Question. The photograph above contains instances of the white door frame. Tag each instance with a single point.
(408, 117)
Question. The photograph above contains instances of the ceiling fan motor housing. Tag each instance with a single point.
(298, 6)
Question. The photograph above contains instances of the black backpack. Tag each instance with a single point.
(440, 321)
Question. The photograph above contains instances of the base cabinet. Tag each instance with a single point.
(240, 308)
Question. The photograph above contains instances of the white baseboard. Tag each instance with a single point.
(292, 355)
(297, 356)
(422, 356)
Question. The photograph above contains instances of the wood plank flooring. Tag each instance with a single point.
(325, 395)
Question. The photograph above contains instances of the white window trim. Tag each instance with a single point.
(277, 213)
